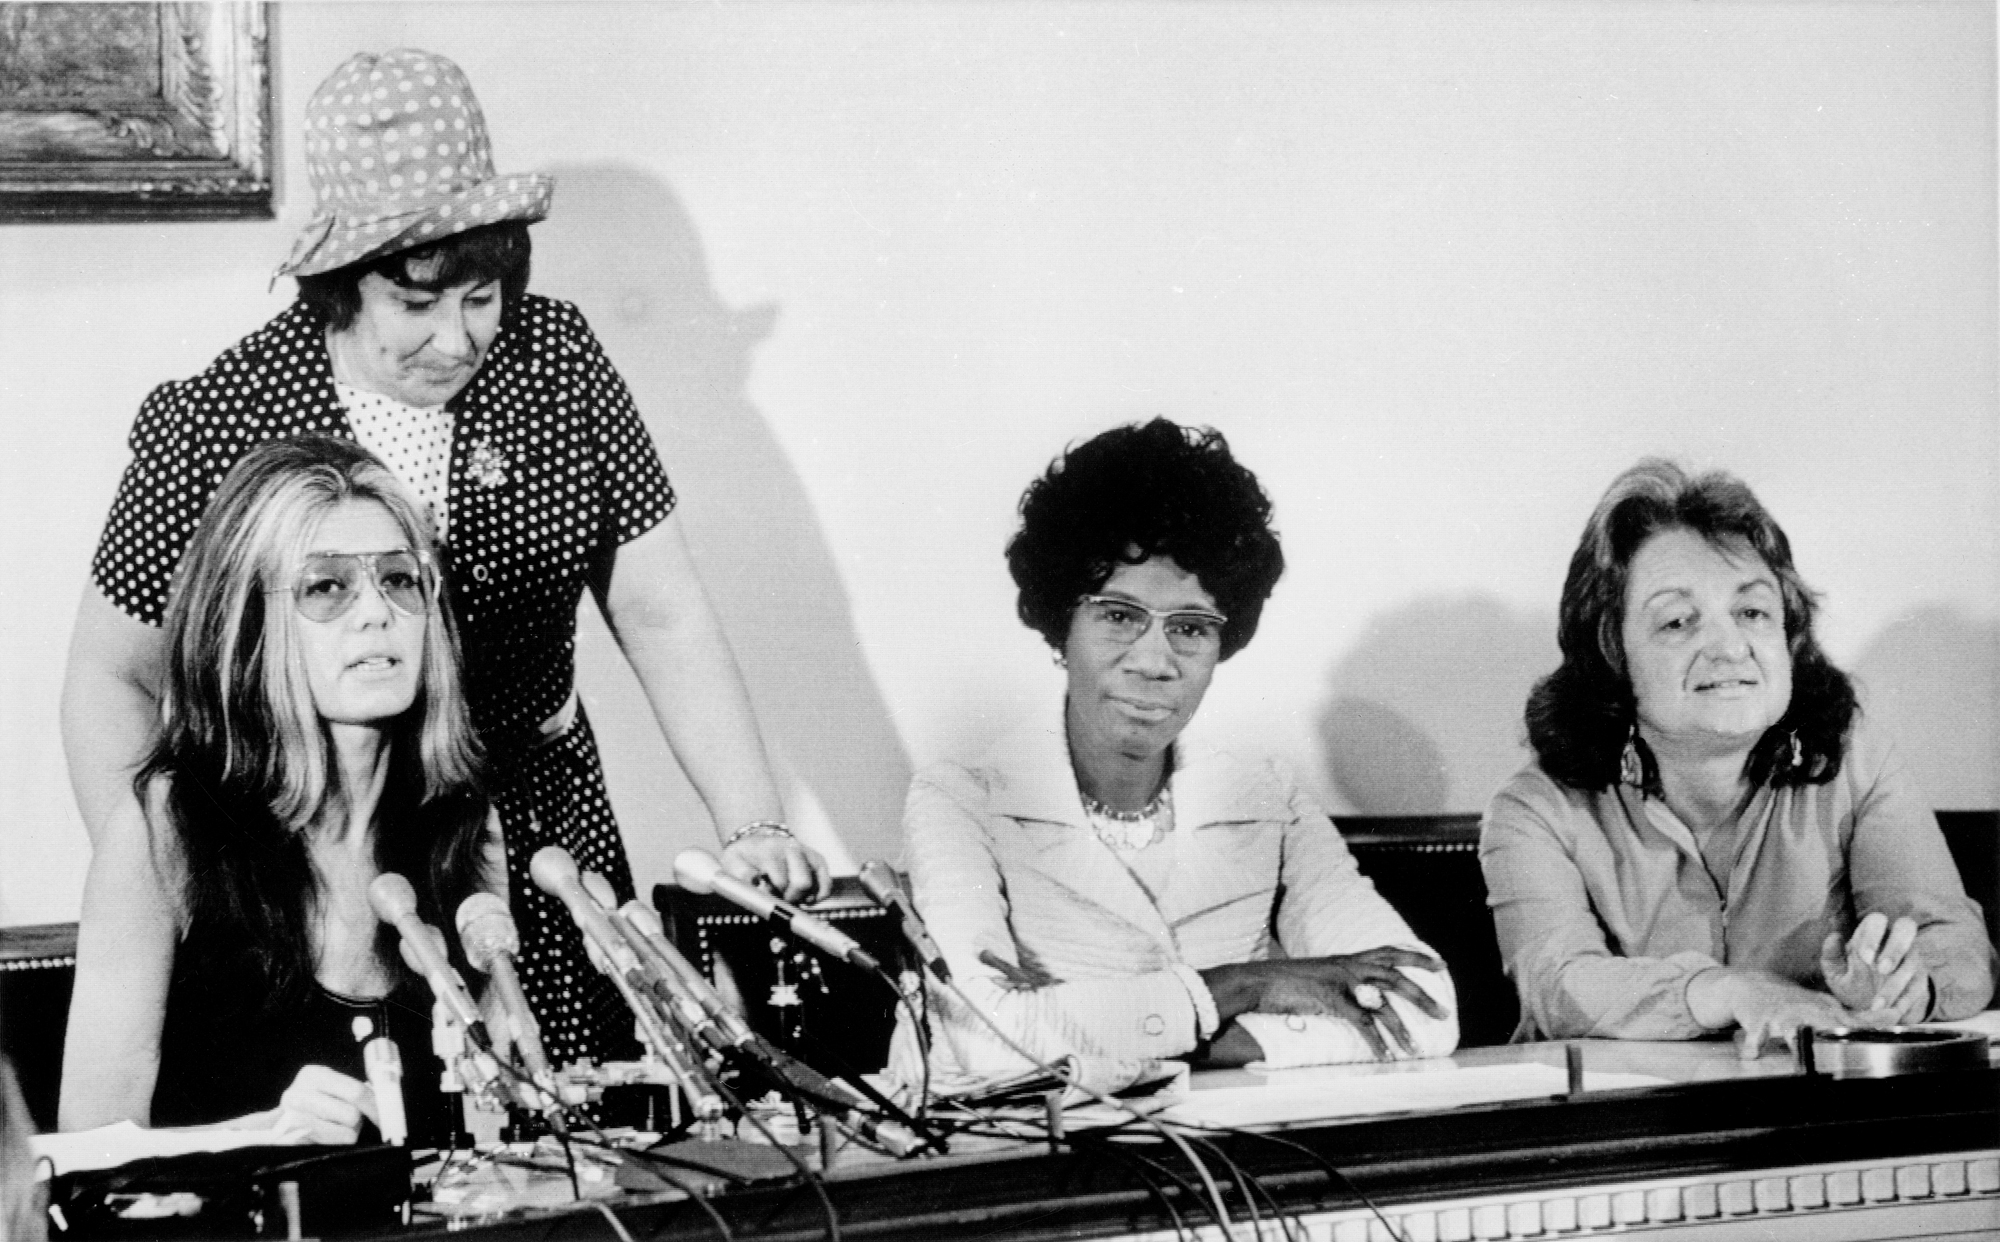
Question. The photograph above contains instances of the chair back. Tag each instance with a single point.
(1427, 866)
(37, 968)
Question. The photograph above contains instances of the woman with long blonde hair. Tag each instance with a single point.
(312, 737)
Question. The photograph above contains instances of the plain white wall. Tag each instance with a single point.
(1439, 270)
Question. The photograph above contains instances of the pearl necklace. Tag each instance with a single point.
(1146, 812)
(1130, 830)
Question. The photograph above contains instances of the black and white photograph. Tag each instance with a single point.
(1000, 618)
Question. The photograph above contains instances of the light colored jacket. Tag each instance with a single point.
(1002, 862)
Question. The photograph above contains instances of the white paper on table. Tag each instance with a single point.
(1293, 1096)
(107, 1147)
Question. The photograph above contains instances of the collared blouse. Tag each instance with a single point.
(1605, 910)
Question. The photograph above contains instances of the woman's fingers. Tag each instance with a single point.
(1410, 990)
(1902, 991)
(1866, 941)
(793, 870)
(1754, 1037)
(1833, 960)
(1896, 945)
(323, 1106)
(1392, 1022)
(1388, 955)
(1362, 1020)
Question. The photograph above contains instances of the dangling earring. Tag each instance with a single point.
(1798, 759)
(1058, 658)
(1631, 769)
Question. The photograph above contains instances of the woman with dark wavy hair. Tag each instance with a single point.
(1103, 890)
(312, 737)
(1712, 835)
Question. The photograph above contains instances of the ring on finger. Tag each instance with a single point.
(1368, 996)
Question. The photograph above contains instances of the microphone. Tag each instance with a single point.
(382, 1061)
(675, 991)
(555, 873)
(395, 903)
(385, 1079)
(880, 881)
(719, 1026)
(885, 1132)
(699, 872)
(787, 1073)
(491, 942)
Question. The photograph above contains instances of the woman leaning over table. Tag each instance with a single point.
(1110, 893)
(313, 736)
(1712, 834)
(414, 333)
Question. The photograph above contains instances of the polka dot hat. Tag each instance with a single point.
(397, 154)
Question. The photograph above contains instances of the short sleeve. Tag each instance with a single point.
(159, 500)
(637, 495)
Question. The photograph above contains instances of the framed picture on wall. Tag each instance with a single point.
(134, 112)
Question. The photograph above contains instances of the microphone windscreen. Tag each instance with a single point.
(485, 927)
(600, 890)
(552, 869)
(880, 881)
(696, 870)
(413, 953)
(643, 917)
(392, 897)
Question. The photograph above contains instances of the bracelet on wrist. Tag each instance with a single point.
(758, 828)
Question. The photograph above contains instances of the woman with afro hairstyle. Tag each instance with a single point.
(1114, 897)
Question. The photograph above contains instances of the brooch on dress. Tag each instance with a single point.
(488, 465)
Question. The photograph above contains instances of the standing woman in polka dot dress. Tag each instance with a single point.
(414, 334)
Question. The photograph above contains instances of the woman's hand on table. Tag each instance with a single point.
(1876, 974)
(1354, 987)
(323, 1106)
(792, 869)
(1768, 1008)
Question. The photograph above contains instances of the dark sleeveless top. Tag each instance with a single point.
(227, 1048)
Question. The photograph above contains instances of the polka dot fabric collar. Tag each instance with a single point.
(413, 441)
(397, 153)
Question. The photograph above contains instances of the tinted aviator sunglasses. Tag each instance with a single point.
(330, 582)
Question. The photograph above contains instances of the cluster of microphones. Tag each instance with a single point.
(692, 1039)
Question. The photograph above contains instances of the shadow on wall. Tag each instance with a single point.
(1423, 716)
(622, 247)
(1933, 679)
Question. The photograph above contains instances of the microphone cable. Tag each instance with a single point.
(522, 1079)
(859, 1081)
(1222, 1217)
(1334, 1173)
(654, 1161)
(716, 1083)
(1249, 1187)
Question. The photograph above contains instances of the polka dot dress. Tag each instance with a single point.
(551, 469)
(413, 441)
